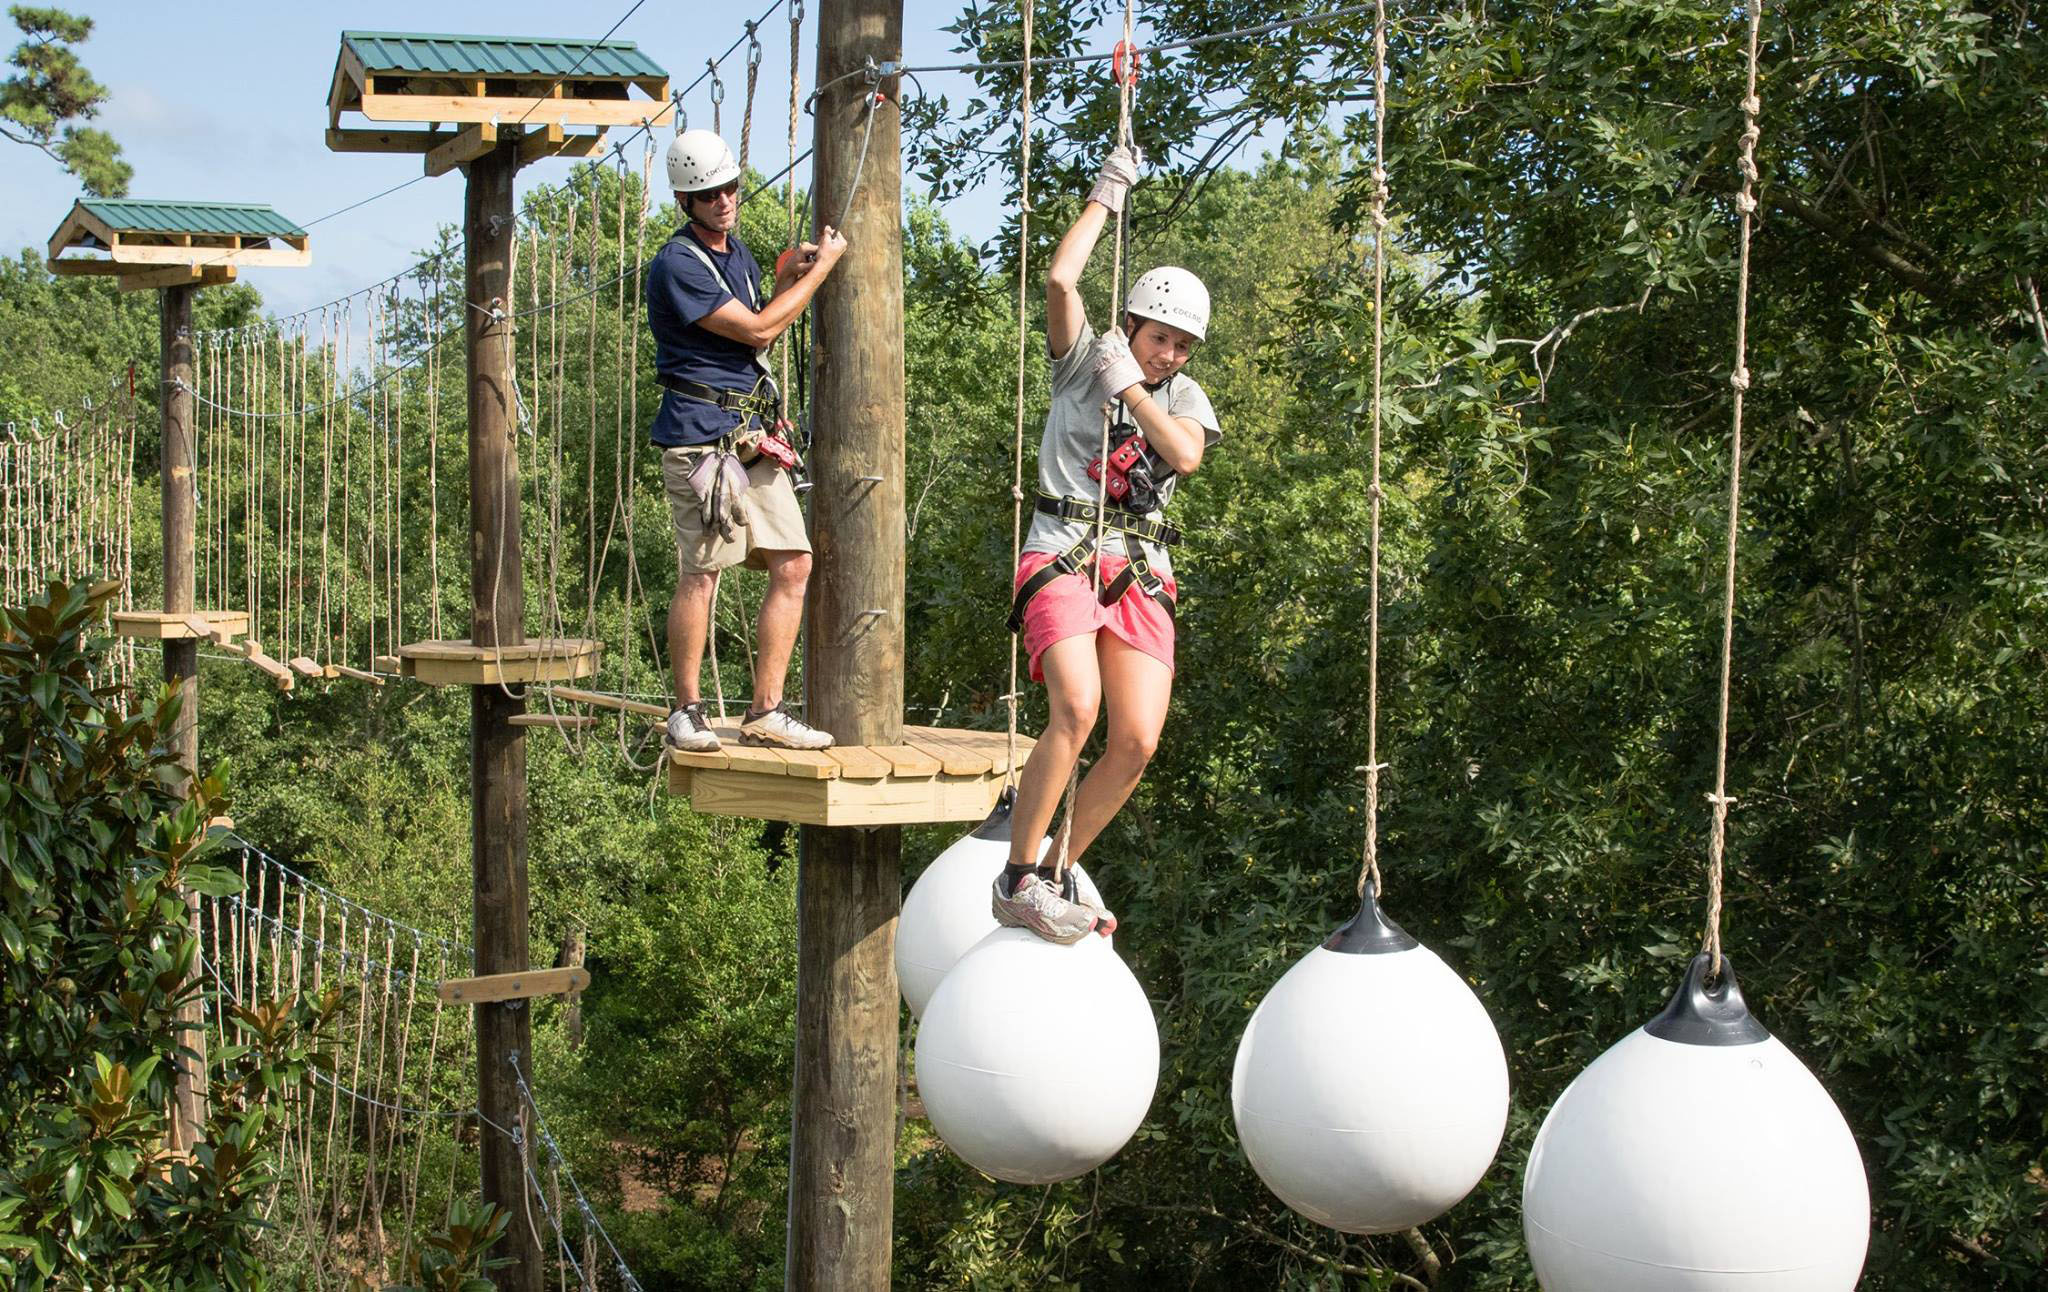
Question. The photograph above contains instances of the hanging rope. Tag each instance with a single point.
(1738, 378)
(1126, 82)
(753, 76)
(1011, 696)
(1369, 872)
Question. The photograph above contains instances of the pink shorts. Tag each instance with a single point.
(1068, 607)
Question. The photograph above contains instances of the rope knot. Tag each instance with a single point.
(1739, 379)
(1745, 203)
(1720, 800)
(1016, 494)
(1752, 105)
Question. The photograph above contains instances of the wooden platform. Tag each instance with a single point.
(936, 774)
(462, 663)
(159, 625)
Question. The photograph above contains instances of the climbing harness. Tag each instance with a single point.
(1135, 530)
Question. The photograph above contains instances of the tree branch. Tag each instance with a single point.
(1260, 1231)
(1858, 240)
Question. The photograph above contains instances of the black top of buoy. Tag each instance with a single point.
(1370, 932)
(1699, 1014)
(996, 826)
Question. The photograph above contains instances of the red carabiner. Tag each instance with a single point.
(1124, 63)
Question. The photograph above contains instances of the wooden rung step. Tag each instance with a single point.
(558, 721)
(360, 675)
(600, 700)
(512, 986)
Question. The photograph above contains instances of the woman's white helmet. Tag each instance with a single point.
(1172, 296)
(699, 159)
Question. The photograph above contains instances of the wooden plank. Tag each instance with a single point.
(461, 649)
(859, 762)
(757, 798)
(492, 988)
(150, 256)
(481, 108)
(708, 760)
(278, 672)
(557, 721)
(553, 142)
(388, 141)
(810, 764)
(305, 667)
(755, 759)
(954, 759)
(601, 700)
(464, 148)
(905, 761)
(994, 745)
(167, 626)
(203, 628)
(382, 663)
(359, 675)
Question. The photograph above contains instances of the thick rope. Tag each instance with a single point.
(1011, 696)
(1738, 378)
(1125, 84)
(1369, 872)
(753, 77)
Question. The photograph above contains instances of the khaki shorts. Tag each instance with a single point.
(774, 522)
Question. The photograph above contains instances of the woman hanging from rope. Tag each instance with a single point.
(1094, 584)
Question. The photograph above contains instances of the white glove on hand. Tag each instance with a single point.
(1116, 369)
(1119, 172)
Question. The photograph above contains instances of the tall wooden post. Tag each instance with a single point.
(181, 655)
(843, 1149)
(497, 753)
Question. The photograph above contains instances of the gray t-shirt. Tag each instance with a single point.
(1073, 439)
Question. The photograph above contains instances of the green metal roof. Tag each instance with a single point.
(134, 215)
(424, 52)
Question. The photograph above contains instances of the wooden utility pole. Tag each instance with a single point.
(181, 654)
(843, 1149)
(497, 755)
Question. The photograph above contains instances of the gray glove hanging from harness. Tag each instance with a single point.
(720, 485)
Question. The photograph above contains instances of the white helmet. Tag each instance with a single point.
(1171, 296)
(699, 159)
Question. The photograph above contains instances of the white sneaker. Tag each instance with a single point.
(688, 730)
(780, 728)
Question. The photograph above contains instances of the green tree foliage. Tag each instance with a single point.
(50, 90)
(1561, 296)
(96, 843)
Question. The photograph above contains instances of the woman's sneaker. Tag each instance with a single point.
(689, 731)
(1087, 894)
(782, 729)
(1038, 906)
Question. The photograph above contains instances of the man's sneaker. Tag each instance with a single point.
(1088, 895)
(1038, 906)
(689, 731)
(782, 729)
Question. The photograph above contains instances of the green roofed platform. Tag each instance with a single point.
(149, 244)
(488, 88)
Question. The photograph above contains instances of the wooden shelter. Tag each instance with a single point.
(147, 245)
(458, 96)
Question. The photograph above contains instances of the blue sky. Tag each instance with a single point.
(226, 102)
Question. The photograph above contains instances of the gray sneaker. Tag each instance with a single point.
(1038, 906)
(782, 729)
(1088, 895)
(689, 731)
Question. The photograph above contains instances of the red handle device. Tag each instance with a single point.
(1123, 63)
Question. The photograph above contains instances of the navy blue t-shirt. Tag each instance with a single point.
(680, 292)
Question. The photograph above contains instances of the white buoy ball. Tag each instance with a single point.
(1696, 1166)
(1370, 1089)
(1037, 1061)
(947, 909)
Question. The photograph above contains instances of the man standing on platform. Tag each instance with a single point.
(725, 464)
